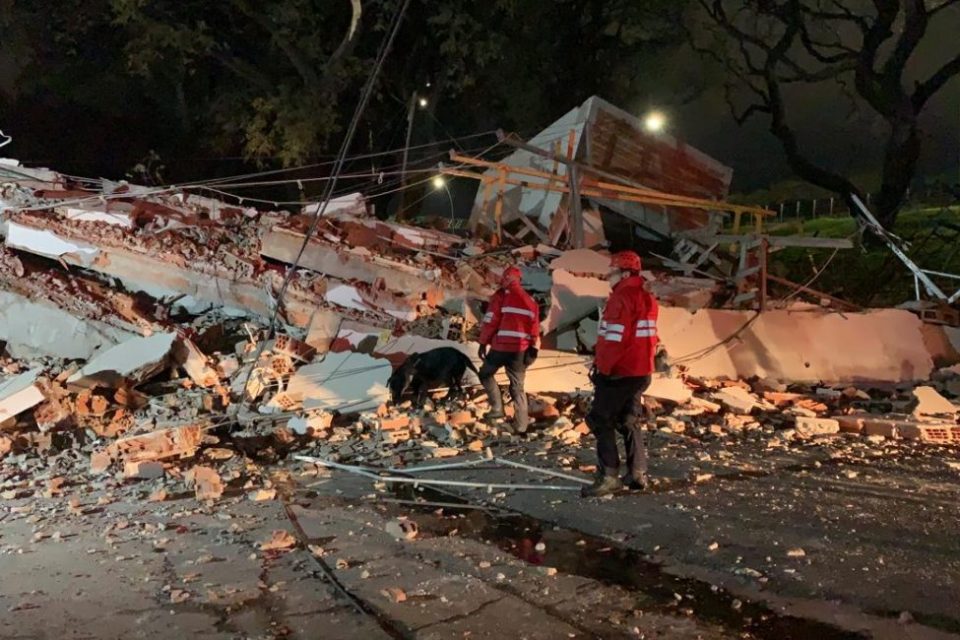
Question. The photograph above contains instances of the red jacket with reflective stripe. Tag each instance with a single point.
(627, 336)
(512, 321)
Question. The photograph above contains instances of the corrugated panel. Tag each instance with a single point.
(617, 144)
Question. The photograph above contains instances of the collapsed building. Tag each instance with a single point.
(136, 320)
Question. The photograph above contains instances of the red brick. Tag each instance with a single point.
(461, 418)
(850, 424)
(391, 424)
(880, 427)
(943, 433)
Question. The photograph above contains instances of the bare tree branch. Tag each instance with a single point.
(926, 90)
(914, 27)
(940, 7)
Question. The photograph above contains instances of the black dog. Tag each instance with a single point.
(437, 367)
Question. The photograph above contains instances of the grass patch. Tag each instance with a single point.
(871, 275)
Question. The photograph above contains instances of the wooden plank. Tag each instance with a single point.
(535, 229)
(764, 255)
(813, 292)
(558, 225)
(604, 189)
(608, 195)
(498, 208)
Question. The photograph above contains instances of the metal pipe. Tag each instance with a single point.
(489, 486)
(443, 505)
(928, 284)
(440, 467)
(940, 273)
(547, 472)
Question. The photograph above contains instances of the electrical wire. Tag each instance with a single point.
(337, 168)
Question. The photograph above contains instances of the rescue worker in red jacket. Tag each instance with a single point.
(509, 337)
(623, 364)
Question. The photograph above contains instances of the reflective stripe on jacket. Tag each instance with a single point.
(512, 321)
(627, 335)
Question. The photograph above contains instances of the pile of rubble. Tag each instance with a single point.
(136, 343)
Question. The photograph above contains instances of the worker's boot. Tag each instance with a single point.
(494, 414)
(636, 481)
(603, 485)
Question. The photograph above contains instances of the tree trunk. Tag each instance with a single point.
(899, 165)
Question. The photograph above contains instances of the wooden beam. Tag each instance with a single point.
(609, 190)
(533, 227)
(609, 195)
(513, 141)
(498, 208)
(813, 292)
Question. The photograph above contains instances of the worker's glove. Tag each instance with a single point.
(661, 360)
(482, 352)
(594, 374)
(530, 356)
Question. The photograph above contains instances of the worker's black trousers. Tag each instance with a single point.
(516, 371)
(617, 407)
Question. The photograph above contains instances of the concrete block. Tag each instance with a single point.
(735, 399)
(810, 427)
(143, 470)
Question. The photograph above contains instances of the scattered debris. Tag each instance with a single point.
(279, 541)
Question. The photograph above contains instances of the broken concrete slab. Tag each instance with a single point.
(322, 329)
(736, 399)
(669, 389)
(800, 345)
(931, 403)
(37, 327)
(19, 393)
(572, 299)
(44, 242)
(143, 470)
(583, 263)
(558, 372)
(284, 245)
(346, 382)
(133, 360)
(196, 364)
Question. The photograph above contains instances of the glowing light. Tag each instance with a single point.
(655, 122)
(423, 103)
(439, 182)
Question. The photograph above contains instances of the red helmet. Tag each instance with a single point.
(625, 261)
(510, 275)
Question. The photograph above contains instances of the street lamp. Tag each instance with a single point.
(438, 183)
(423, 102)
(654, 122)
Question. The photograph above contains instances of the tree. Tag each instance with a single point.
(865, 48)
(268, 76)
